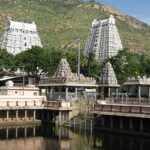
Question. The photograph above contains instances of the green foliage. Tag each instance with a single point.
(38, 60)
(127, 64)
(31, 60)
(6, 59)
(90, 65)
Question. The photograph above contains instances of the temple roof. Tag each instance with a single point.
(64, 75)
(64, 70)
(108, 78)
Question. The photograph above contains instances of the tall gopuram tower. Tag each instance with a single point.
(19, 36)
(104, 39)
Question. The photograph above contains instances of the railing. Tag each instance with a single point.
(129, 100)
(57, 104)
(61, 96)
(52, 104)
(138, 109)
(71, 96)
(20, 104)
(51, 80)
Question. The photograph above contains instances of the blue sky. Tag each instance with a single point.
(139, 9)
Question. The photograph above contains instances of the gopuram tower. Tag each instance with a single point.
(104, 39)
(19, 36)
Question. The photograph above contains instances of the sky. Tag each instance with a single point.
(139, 9)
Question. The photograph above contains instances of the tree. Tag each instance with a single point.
(6, 59)
(90, 65)
(127, 64)
(31, 60)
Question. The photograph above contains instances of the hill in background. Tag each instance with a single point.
(60, 22)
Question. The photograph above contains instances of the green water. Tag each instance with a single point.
(50, 138)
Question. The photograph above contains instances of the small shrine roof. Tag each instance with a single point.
(108, 78)
(138, 81)
(64, 76)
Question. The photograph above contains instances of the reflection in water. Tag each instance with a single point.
(48, 137)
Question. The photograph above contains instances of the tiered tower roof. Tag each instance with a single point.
(109, 78)
(64, 75)
(104, 39)
(63, 70)
(19, 36)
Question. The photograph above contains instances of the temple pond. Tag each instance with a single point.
(51, 138)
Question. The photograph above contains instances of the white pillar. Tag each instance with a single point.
(59, 92)
(139, 93)
(34, 131)
(34, 115)
(66, 93)
(16, 115)
(51, 92)
(7, 133)
(116, 92)
(59, 116)
(16, 132)
(109, 92)
(25, 132)
(25, 114)
(7, 115)
(76, 93)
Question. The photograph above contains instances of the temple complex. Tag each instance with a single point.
(19, 36)
(65, 85)
(104, 39)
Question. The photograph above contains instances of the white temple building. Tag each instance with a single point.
(19, 36)
(104, 39)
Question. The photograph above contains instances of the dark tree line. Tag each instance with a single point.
(40, 60)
